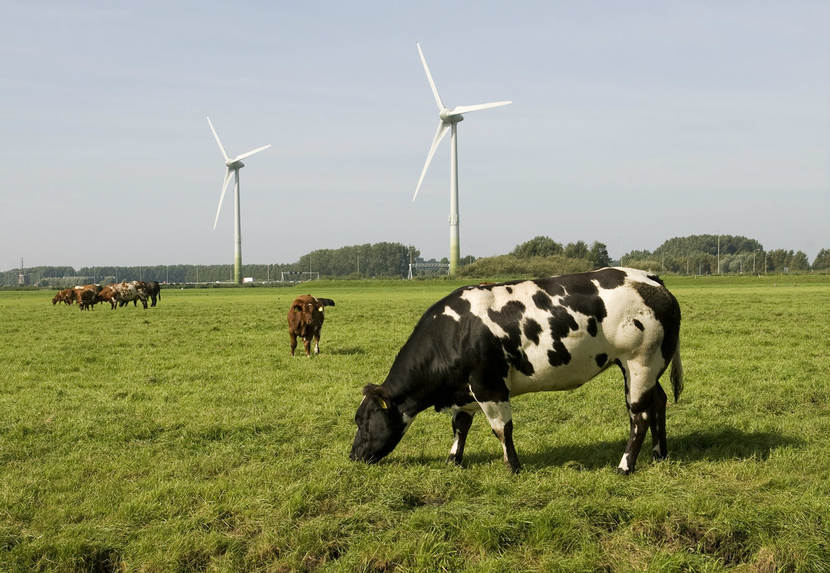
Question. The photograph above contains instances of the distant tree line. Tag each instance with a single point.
(541, 255)
(380, 260)
(699, 254)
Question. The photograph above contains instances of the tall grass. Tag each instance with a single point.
(185, 438)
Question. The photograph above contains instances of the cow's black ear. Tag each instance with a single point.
(326, 301)
(378, 394)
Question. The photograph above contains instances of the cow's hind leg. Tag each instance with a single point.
(640, 391)
(292, 341)
(657, 422)
(500, 417)
(461, 422)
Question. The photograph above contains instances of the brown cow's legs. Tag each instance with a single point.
(293, 342)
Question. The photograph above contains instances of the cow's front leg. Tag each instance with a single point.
(307, 346)
(316, 344)
(500, 417)
(461, 422)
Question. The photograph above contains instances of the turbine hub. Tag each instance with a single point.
(235, 164)
(447, 117)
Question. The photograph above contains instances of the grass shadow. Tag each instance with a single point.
(713, 445)
(348, 351)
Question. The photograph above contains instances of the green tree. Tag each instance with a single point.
(577, 250)
(598, 255)
(539, 246)
(822, 261)
(799, 262)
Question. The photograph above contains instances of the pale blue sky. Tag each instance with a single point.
(631, 122)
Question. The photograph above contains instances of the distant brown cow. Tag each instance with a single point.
(153, 291)
(66, 296)
(107, 294)
(305, 319)
(87, 296)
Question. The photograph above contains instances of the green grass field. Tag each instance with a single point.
(184, 438)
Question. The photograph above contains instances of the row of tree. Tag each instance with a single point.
(714, 254)
(541, 255)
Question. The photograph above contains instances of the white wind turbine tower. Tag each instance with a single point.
(448, 119)
(233, 167)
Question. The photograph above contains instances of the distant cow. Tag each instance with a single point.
(305, 319)
(66, 296)
(153, 291)
(132, 291)
(481, 345)
(87, 296)
(108, 294)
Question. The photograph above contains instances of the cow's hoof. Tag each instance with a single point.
(623, 472)
(452, 459)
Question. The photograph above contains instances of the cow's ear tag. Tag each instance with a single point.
(383, 404)
(320, 308)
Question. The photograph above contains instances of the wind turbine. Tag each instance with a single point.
(448, 118)
(233, 166)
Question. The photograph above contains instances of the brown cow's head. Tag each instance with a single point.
(311, 308)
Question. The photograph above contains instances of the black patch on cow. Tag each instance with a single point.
(639, 324)
(509, 290)
(532, 329)
(509, 318)
(559, 355)
(561, 324)
(458, 305)
(666, 311)
(609, 278)
(579, 291)
(601, 359)
(542, 301)
(550, 286)
(656, 279)
(592, 326)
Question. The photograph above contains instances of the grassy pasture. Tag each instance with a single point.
(185, 438)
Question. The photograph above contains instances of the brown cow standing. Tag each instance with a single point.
(87, 296)
(153, 291)
(66, 296)
(107, 294)
(305, 319)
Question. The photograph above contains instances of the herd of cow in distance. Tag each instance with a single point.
(481, 345)
(117, 294)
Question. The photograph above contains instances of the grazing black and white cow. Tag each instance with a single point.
(481, 345)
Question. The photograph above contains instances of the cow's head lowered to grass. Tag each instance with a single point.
(380, 426)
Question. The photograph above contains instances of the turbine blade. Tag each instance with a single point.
(429, 77)
(469, 108)
(222, 149)
(257, 150)
(222, 196)
(439, 135)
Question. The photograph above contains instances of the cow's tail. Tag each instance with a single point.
(677, 373)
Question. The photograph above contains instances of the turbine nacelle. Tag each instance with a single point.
(234, 164)
(450, 116)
